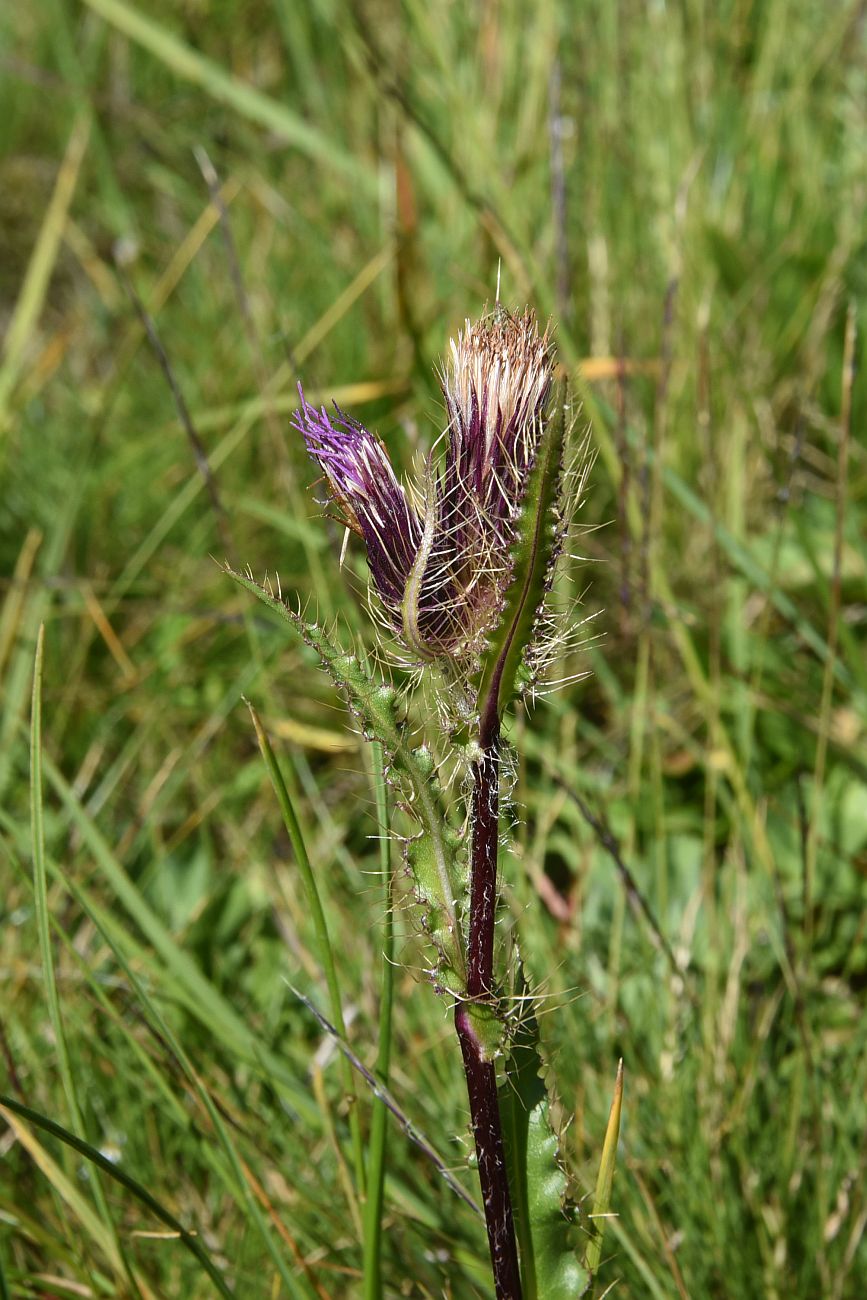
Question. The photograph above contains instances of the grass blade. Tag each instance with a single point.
(605, 1179)
(200, 995)
(241, 1189)
(41, 265)
(222, 86)
(76, 1203)
(326, 953)
(10, 1108)
(107, 1235)
(378, 1127)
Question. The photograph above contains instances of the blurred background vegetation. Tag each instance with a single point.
(226, 196)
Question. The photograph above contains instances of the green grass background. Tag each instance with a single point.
(682, 188)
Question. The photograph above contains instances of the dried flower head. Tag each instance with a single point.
(440, 555)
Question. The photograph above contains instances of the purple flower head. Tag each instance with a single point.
(440, 558)
(368, 496)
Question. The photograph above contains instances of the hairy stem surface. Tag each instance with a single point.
(483, 871)
(481, 1073)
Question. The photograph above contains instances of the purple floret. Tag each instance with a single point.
(371, 501)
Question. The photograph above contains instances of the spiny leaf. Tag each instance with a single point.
(519, 1094)
(559, 1274)
(439, 879)
(532, 556)
(422, 860)
(550, 1268)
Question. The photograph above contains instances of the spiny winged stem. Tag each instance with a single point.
(481, 1073)
(534, 552)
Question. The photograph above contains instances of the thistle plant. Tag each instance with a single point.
(462, 561)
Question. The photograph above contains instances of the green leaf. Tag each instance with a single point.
(532, 555)
(521, 1092)
(439, 877)
(559, 1273)
(550, 1268)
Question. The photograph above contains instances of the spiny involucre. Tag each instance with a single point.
(441, 551)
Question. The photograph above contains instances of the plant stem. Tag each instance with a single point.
(483, 872)
(480, 1073)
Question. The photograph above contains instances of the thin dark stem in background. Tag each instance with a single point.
(197, 447)
(382, 1093)
(635, 898)
(481, 1073)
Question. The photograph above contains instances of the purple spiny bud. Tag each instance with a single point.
(441, 570)
(368, 496)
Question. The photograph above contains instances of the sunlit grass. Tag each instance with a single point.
(682, 190)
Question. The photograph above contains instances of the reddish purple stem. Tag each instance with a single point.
(480, 1073)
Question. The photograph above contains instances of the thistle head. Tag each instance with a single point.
(496, 383)
(441, 554)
